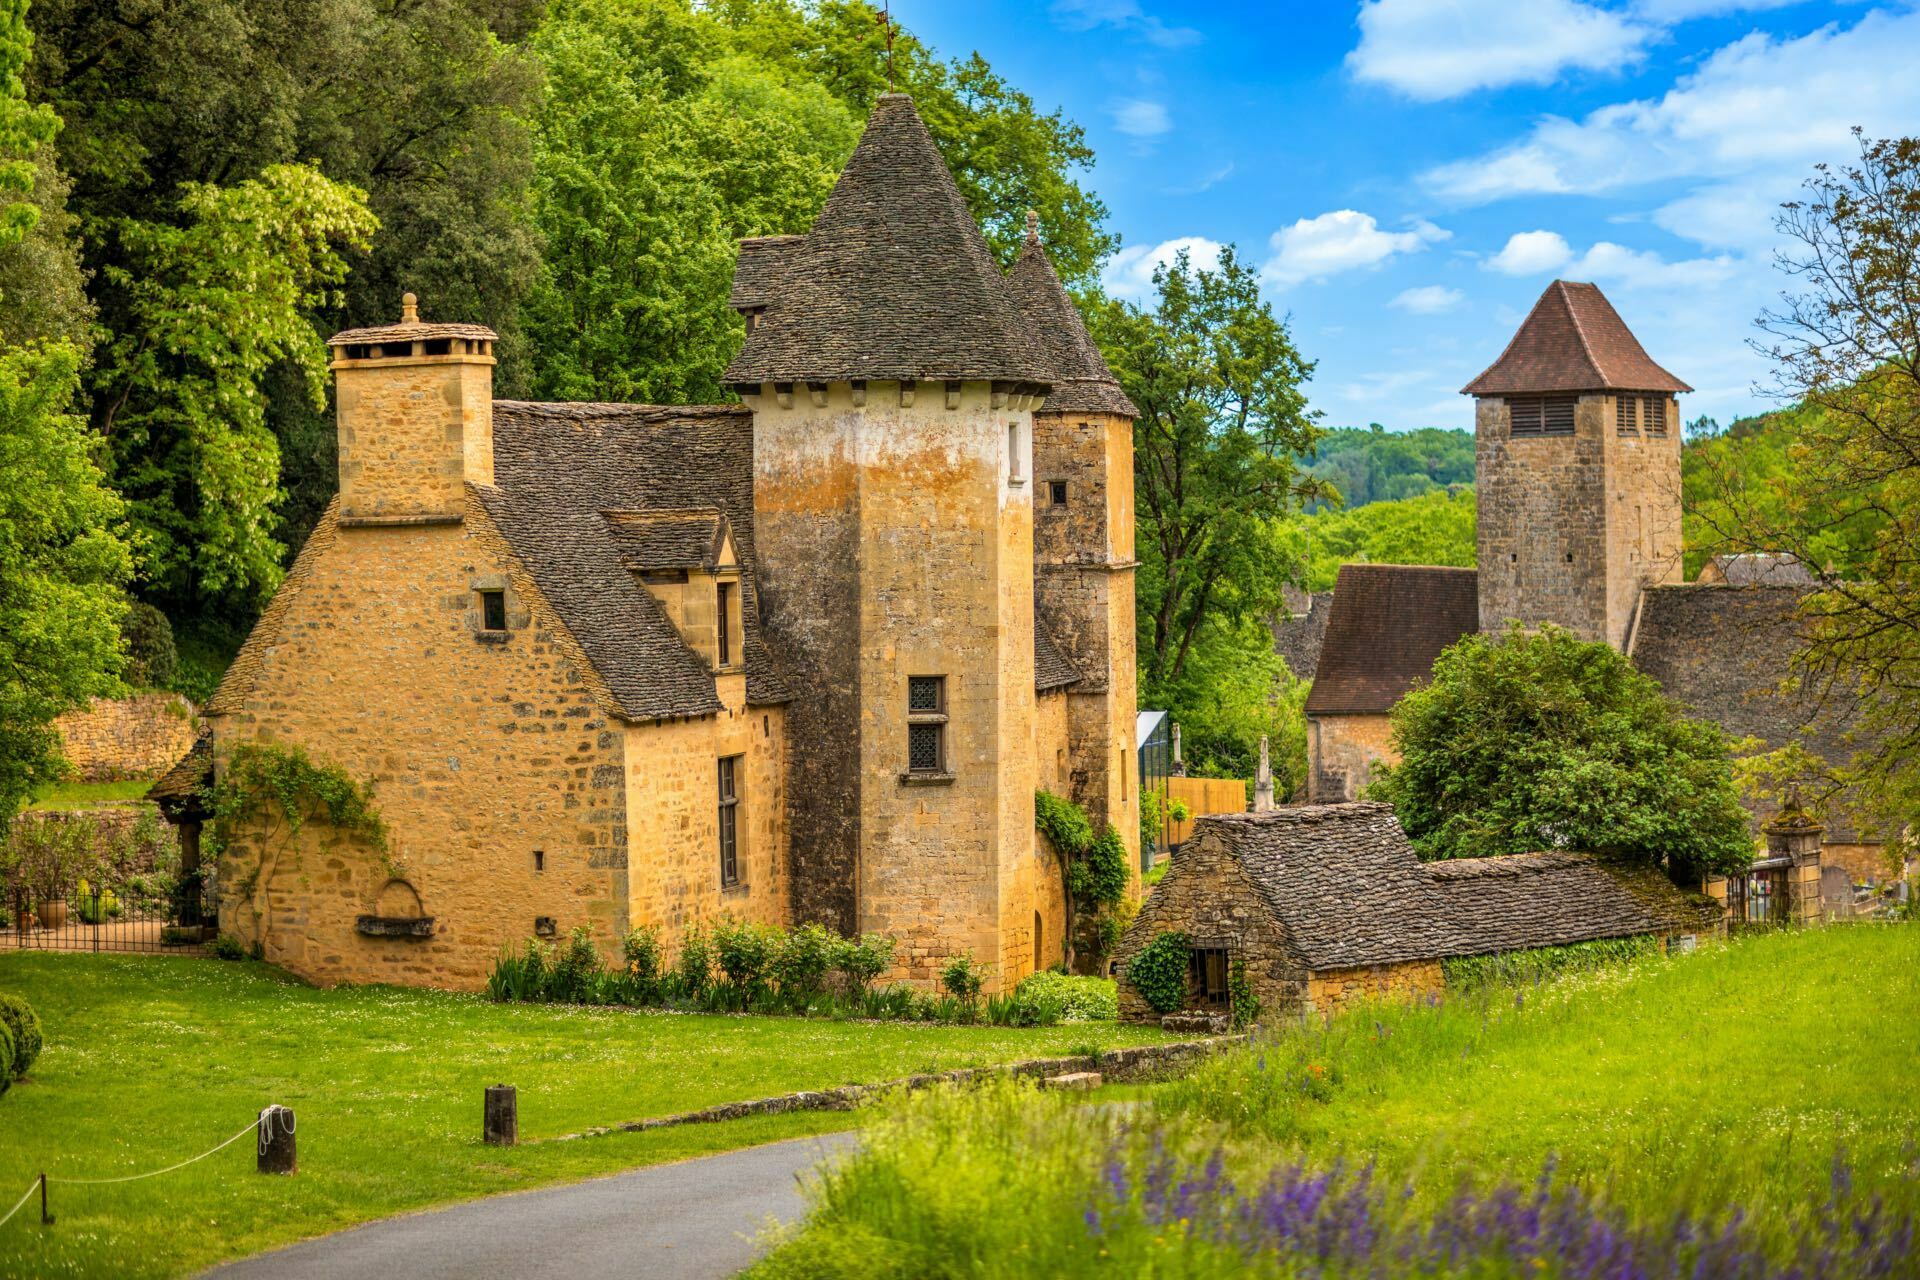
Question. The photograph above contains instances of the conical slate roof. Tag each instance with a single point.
(893, 281)
(1573, 340)
(1082, 382)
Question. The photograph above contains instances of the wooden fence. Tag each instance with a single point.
(1205, 796)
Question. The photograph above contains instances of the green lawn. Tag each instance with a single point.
(1695, 1084)
(88, 795)
(151, 1059)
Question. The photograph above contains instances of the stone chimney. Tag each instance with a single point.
(1795, 835)
(1263, 780)
(414, 409)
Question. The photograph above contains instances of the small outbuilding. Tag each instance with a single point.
(1327, 904)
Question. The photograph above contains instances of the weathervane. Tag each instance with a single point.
(885, 19)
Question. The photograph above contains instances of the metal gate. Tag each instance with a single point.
(179, 919)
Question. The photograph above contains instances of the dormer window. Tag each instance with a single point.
(723, 594)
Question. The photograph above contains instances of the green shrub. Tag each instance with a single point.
(644, 958)
(519, 975)
(803, 960)
(96, 906)
(1515, 968)
(151, 656)
(1246, 1005)
(576, 972)
(962, 977)
(863, 961)
(694, 971)
(1159, 972)
(745, 954)
(23, 1028)
(227, 947)
(1073, 999)
(6, 1052)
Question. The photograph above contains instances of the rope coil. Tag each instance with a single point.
(273, 1114)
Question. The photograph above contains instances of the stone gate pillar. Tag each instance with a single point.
(1795, 834)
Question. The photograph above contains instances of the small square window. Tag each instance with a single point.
(926, 693)
(493, 611)
(1057, 492)
(923, 747)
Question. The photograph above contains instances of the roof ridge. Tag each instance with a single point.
(1579, 328)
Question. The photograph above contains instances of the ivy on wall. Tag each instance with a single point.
(1094, 869)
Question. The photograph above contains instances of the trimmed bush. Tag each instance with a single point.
(151, 655)
(6, 1051)
(695, 967)
(745, 952)
(23, 1028)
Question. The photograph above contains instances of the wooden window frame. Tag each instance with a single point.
(1536, 417)
(723, 621)
(931, 720)
(728, 787)
(1653, 416)
(493, 609)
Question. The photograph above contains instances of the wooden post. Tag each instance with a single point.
(46, 1219)
(275, 1132)
(500, 1126)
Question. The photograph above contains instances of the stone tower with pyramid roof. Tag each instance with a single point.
(1578, 457)
(893, 388)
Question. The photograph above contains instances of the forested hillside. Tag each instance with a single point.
(1373, 464)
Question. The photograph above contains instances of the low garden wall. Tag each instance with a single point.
(137, 737)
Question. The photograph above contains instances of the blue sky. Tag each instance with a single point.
(1409, 174)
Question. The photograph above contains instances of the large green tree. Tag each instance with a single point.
(1528, 741)
(1437, 527)
(172, 110)
(61, 563)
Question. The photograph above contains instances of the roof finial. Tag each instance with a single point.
(885, 19)
(1033, 226)
(409, 309)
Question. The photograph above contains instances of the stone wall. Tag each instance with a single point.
(1341, 751)
(480, 754)
(1330, 990)
(412, 434)
(1643, 515)
(1542, 539)
(137, 737)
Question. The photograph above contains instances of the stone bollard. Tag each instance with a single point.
(500, 1126)
(274, 1130)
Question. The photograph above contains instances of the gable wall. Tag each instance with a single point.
(479, 754)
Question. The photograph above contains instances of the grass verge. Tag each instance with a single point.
(90, 795)
(152, 1059)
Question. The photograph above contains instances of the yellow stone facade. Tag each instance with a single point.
(1330, 990)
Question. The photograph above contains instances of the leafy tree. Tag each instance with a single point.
(1437, 527)
(1538, 741)
(61, 565)
(213, 304)
(1846, 347)
(1217, 380)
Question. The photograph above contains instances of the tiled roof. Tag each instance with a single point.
(1082, 382)
(558, 467)
(178, 791)
(411, 333)
(673, 538)
(756, 274)
(1387, 624)
(1758, 569)
(1723, 652)
(1573, 340)
(1342, 881)
(1052, 669)
(893, 281)
(1555, 898)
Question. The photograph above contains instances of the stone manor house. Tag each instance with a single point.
(1578, 480)
(801, 658)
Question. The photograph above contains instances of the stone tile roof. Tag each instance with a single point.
(558, 467)
(411, 329)
(1551, 899)
(1082, 382)
(893, 281)
(1342, 881)
(1758, 569)
(178, 791)
(675, 538)
(1386, 625)
(1723, 652)
(756, 274)
(1573, 340)
(1052, 669)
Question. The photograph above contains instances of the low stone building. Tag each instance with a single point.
(1328, 904)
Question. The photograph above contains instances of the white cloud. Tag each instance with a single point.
(1141, 118)
(1746, 127)
(1343, 240)
(1433, 49)
(1666, 11)
(1428, 300)
(1123, 15)
(1530, 252)
(1129, 273)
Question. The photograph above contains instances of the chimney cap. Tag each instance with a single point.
(410, 329)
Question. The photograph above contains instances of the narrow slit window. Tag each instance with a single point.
(723, 621)
(729, 821)
(493, 611)
(1013, 452)
(926, 724)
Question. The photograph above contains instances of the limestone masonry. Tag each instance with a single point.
(804, 658)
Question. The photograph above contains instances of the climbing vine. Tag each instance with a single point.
(1159, 972)
(1093, 867)
(264, 796)
(1246, 1005)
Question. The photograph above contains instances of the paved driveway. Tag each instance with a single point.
(690, 1221)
